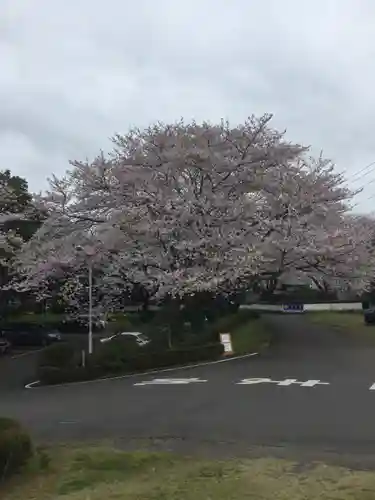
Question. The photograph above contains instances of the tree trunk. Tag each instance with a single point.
(145, 303)
(272, 285)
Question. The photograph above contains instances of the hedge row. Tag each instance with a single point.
(97, 367)
(116, 321)
(15, 447)
(60, 363)
(230, 322)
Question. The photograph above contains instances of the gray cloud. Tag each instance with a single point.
(73, 73)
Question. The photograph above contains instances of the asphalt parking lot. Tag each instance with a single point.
(312, 392)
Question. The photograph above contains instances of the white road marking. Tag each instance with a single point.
(288, 381)
(150, 372)
(372, 388)
(32, 384)
(285, 383)
(170, 381)
(252, 381)
(313, 383)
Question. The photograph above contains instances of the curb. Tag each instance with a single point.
(34, 385)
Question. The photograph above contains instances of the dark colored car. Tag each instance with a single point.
(368, 313)
(4, 345)
(29, 335)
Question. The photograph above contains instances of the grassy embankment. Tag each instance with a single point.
(250, 336)
(98, 473)
(347, 321)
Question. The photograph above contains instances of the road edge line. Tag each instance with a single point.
(33, 385)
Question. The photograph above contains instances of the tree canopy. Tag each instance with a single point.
(184, 208)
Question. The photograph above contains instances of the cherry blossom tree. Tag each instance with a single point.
(349, 260)
(171, 207)
(19, 218)
(318, 237)
(185, 208)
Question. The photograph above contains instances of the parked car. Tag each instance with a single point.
(4, 345)
(27, 335)
(139, 337)
(368, 313)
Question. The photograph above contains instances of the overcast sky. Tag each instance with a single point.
(72, 73)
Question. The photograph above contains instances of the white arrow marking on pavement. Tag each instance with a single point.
(170, 381)
(372, 388)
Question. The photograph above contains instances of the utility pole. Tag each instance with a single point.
(88, 256)
(90, 307)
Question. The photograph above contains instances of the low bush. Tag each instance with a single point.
(15, 447)
(111, 356)
(98, 365)
(120, 323)
(229, 322)
(146, 316)
(123, 355)
(52, 321)
(51, 375)
(172, 357)
(47, 319)
(58, 355)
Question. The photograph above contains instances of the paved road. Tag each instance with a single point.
(336, 415)
(15, 370)
(18, 368)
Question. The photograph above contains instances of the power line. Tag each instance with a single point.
(356, 175)
(364, 187)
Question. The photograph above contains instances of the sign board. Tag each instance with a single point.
(225, 339)
(293, 308)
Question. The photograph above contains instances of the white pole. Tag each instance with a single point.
(90, 307)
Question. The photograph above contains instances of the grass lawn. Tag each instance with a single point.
(250, 336)
(349, 321)
(95, 473)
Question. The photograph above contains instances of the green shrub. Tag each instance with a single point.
(150, 360)
(15, 447)
(227, 323)
(179, 356)
(51, 375)
(99, 367)
(48, 319)
(118, 323)
(188, 335)
(57, 355)
(111, 356)
(146, 316)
